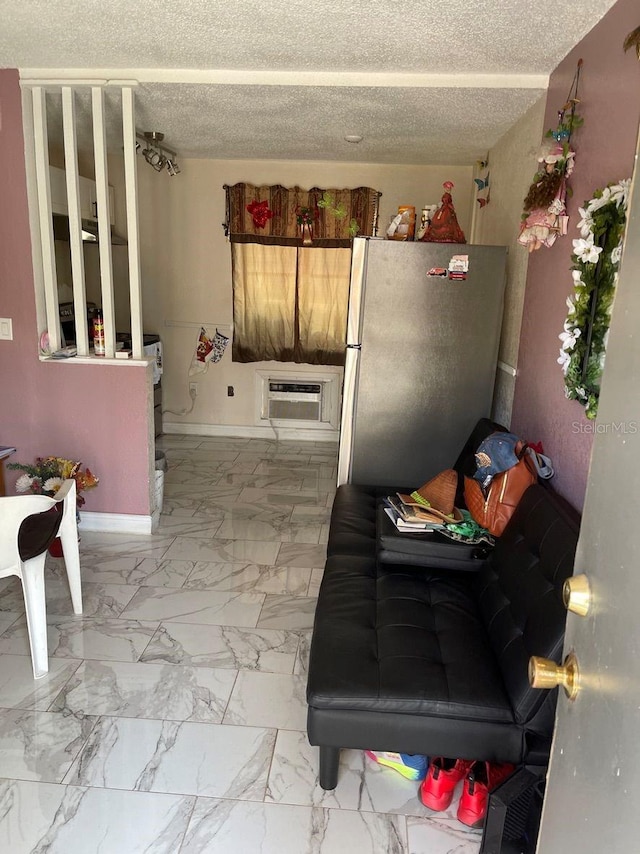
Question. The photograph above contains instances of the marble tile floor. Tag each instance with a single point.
(172, 720)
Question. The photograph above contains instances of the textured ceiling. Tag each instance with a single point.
(423, 122)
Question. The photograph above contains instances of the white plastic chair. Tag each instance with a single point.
(13, 511)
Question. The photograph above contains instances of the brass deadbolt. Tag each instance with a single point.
(576, 595)
(544, 673)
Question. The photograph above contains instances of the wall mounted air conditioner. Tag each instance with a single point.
(292, 400)
(299, 401)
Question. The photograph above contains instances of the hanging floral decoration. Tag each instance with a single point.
(596, 255)
(339, 211)
(305, 216)
(633, 41)
(260, 213)
(327, 202)
(544, 214)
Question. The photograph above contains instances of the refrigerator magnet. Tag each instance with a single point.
(458, 267)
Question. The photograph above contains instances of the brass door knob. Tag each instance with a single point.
(576, 594)
(544, 673)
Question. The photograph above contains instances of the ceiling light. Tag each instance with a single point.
(172, 167)
(156, 154)
(353, 137)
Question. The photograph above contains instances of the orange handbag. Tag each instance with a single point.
(494, 510)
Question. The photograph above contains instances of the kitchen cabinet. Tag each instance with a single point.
(88, 203)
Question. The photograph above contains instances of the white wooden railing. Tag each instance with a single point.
(37, 147)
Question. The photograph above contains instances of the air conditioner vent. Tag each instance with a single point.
(294, 410)
(285, 400)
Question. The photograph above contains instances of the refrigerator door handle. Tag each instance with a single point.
(354, 346)
(356, 291)
(350, 384)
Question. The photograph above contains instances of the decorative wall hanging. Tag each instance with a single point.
(337, 215)
(596, 255)
(209, 348)
(339, 211)
(444, 227)
(305, 220)
(327, 202)
(260, 213)
(544, 214)
(483, 184)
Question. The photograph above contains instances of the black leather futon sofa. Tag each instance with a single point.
(427, 660)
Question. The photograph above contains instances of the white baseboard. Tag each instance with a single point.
(115, 523)
(248, 432)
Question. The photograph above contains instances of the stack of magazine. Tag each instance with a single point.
(409, 518)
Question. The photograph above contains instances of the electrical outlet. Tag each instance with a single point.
(6, 329)
(230, 391)
(193, 389)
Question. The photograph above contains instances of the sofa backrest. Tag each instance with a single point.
(520, 592)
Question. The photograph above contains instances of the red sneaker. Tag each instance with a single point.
(436, 790)
(481, 779)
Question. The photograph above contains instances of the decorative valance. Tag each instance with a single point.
(280, 215)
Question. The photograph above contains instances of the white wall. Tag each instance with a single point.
(512, 164)
(186, 260)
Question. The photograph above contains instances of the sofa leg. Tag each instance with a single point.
(329, 761)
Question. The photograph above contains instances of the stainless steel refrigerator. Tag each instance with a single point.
(421, 358)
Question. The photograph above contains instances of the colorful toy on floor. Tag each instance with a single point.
(411, 766)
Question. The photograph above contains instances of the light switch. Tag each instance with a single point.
(6, 329)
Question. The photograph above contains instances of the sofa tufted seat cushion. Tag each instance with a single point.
(404, 640)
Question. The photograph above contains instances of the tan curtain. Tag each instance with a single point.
(290, 304)
(264, 286)
(323, 295)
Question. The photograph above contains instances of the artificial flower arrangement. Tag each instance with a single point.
(339, 211)
(596, 255)
(47, 474)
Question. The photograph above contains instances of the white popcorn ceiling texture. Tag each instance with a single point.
(399, 125)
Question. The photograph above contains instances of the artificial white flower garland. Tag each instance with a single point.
(596, 256)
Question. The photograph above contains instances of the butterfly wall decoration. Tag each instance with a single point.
(483, 184)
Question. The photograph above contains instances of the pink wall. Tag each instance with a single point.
(95, 414)
(605, 148)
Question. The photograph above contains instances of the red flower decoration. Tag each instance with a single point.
(260, 213)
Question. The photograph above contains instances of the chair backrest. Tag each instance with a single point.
(16, 511)
(13, 510)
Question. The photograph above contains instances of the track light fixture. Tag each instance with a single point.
(157, 155)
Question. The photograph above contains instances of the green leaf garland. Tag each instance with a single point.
(596, 256)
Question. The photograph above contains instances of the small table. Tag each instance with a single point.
(5, 452)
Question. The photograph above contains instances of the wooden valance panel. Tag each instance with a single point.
(360, 204)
